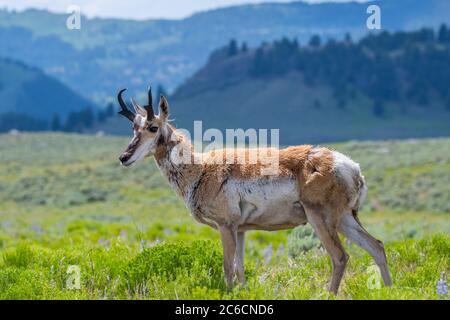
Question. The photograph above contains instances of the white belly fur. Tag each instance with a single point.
(271, 203)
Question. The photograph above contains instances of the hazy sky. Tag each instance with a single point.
(136, 9)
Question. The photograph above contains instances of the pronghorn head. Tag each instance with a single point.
(147, 127)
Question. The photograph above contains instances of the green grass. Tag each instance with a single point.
(65, 200)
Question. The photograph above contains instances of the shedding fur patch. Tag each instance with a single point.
(140, 120)
(346, 168)
(349, 173)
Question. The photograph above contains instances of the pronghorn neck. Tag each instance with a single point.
(180, 175)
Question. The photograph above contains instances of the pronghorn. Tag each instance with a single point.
(312, 185)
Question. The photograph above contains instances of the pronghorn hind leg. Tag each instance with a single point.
(353, 230)
(240, 256)
(228, 236)
(326, 230)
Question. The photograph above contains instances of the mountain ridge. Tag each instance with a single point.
(29, 91)
(107, 54)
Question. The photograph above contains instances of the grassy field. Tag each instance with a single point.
(66, 205)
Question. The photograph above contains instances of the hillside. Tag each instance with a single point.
(390, 85)
(107, 54)
(65, 200)
(30, 93)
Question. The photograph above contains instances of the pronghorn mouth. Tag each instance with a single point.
(126, 159)
(133, 153)
(127, 163)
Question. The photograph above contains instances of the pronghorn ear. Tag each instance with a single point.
(163, 108)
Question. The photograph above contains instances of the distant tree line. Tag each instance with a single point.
(230, 50)
(386, 67)
(12, 120)
(76, 121)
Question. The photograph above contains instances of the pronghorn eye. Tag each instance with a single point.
(153, 129)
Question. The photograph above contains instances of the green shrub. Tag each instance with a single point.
(302, 239)
(200, 261)
(21, 257)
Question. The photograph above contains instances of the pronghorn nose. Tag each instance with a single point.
(124, 157)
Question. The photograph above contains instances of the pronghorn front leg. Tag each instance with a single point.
(228, 234)
(240, 256)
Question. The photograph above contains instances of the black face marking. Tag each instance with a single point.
(153, 129)
(161, 140)
(134, 144)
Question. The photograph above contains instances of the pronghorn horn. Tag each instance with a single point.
(138, 108)
(149, 106)
(125, 111)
